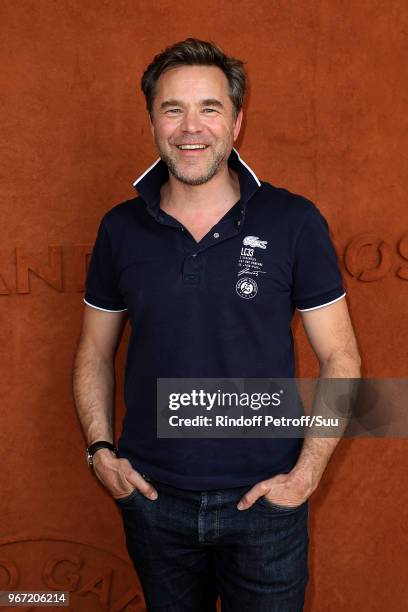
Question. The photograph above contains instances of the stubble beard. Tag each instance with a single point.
(212, 168)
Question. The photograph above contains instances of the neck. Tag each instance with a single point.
(212, 197)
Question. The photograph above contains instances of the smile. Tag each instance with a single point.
(192, 147)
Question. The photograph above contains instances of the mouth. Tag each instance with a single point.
(189, 149)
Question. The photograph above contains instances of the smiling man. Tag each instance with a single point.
(208, 264)
(194, 125)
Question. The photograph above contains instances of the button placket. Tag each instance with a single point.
(231, 227)
(191, 269)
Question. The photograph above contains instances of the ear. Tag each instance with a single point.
(238, 122)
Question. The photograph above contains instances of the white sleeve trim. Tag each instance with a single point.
(105, 309)
(321, 305)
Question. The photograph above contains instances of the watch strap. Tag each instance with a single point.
(91, 450)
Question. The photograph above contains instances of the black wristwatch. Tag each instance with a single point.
(91, 450)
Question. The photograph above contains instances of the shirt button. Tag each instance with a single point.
(216, 235)
(194, 255)
(238, 222)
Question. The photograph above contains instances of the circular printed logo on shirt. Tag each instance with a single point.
(246, 288)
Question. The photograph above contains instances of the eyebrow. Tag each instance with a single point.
(205, 102)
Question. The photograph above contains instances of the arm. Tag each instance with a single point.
(94, 394)
(94, 372)
(330, 333)
(332, 338)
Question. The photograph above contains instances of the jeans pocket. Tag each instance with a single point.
(132, 495)
(127, 498)
(279, 508)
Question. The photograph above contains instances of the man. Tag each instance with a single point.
(208, 264)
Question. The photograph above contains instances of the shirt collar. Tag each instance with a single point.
(149, 182)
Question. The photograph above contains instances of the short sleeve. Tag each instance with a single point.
(101, 284)
(317, 279)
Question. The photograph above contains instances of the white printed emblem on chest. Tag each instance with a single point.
(253, 241)
(246, 288)
(248, 263)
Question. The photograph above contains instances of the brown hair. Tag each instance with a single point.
(191, 52)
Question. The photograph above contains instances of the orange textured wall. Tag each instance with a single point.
(326, 117)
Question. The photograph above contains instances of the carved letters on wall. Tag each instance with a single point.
(51, 267)
(369, 258)
(366, 257)
(95, 579)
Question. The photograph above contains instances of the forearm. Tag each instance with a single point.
(316, 451)
(94, 390)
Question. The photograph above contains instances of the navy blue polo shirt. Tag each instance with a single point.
(220, 307)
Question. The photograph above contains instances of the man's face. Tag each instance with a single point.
(192, 107)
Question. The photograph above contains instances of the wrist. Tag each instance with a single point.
(97, 448)
(103, 453)
(304, 478)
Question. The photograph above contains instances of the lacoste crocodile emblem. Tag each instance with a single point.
(254, 241)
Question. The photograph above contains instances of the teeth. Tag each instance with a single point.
(192, 146)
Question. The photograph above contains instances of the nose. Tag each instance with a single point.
(191, 121)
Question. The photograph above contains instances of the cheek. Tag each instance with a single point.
(222, 128)
(217, 133)
(164, 129)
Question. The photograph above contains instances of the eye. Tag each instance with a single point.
(173, 110)
(212, 110)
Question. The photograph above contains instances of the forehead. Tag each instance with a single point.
(191, 82)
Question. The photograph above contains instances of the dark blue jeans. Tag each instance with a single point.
(188, 547)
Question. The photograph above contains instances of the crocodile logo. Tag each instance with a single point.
(253, 241)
